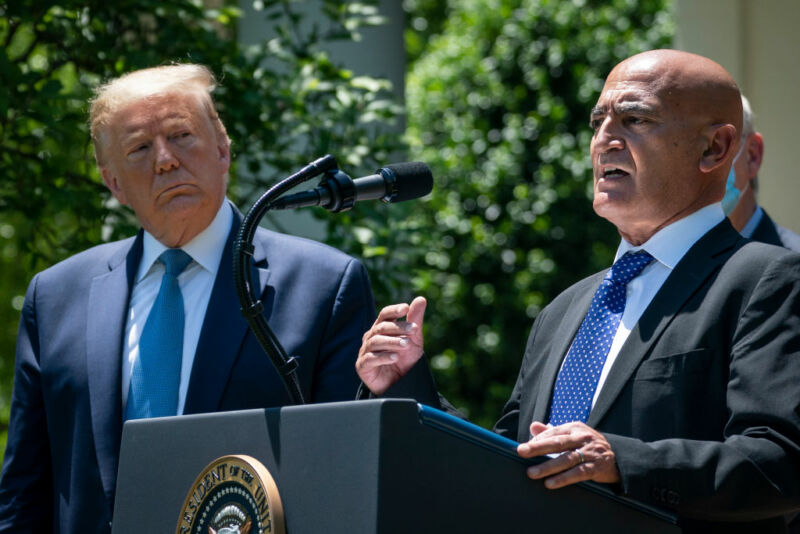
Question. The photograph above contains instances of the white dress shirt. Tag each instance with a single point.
(667, 246)
(196, 282)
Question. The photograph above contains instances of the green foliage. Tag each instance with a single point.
(426, 18)
(283, 101)
(498, 106)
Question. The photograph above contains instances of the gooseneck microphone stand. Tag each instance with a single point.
(252, 307)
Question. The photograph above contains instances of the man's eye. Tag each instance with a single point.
(594, 124)
(634, 120)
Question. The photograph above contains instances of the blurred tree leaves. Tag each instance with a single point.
(498, 105)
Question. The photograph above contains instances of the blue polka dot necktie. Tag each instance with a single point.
(156, 373)
(577, 380)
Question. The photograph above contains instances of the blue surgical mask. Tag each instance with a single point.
(731, 197)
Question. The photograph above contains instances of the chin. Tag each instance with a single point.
(613, 212)
(602, 205)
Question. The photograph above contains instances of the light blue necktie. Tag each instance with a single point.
(156, 374)
(577, 380)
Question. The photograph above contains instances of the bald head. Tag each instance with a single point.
(694, 84)
(666, 130)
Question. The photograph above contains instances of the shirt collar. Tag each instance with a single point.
(206, 248)
(750, 228)
(672, 242)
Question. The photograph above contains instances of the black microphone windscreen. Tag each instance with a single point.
(413, 180)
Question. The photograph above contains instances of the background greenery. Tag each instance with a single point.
(498, 93)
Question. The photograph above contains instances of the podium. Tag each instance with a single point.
(372, 467)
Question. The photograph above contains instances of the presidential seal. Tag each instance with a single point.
(233, 495)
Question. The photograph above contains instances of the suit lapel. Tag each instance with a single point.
(700, 262)
(573, 317)
(224, 329)
(105, 331)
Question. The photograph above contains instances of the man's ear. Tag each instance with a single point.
(224, 149)
(113, 185)
(754, 152)
(721, 145)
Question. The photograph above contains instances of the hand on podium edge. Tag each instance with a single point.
(391, 347)
(580, 453)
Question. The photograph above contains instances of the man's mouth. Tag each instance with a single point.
(174, 188)
(612, 173)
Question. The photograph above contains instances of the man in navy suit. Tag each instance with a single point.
(673, 377)
(163, 151)
(740, 202)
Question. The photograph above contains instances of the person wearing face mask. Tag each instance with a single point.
(739, 202)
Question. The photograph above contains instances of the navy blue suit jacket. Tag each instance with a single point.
(60, 466)
(768, 231)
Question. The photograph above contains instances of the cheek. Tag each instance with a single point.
(741, 174)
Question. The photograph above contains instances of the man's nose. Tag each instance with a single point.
(608, 136)
(165, 157)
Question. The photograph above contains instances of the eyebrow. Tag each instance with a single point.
(625, 107)
(170, 120)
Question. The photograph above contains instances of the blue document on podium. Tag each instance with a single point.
(506, 447)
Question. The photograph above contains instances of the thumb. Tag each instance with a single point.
(416, 311)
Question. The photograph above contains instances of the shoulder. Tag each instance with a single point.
(286, 249)
(756, 272)
(292, 259)
(90, 262)
(789, 239)
(753, 258)
(769, 231)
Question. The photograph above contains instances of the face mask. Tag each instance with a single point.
(731, 197)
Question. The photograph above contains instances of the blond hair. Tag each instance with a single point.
(118, 93)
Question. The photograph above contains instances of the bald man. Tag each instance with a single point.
(674, 376)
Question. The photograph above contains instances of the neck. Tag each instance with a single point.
(744, 209)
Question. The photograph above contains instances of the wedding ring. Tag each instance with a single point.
(583, 458)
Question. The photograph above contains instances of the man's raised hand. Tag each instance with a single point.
(391, 347)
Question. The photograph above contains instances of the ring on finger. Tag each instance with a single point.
(583, 458)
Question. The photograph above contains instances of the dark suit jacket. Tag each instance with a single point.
(702, 405)
(60, 466)
(769, 232)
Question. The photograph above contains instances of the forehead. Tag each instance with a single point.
(644, 80)
(629, 95)
(146, 114)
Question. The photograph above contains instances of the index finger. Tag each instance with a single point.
(539, 446)
(391, 313)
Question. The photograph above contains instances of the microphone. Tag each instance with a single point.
(338, 192)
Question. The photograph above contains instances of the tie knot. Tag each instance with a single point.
(628, 267)
(175, 260)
